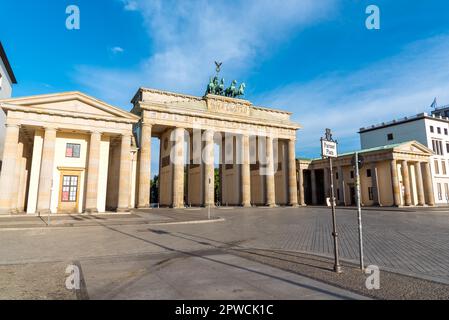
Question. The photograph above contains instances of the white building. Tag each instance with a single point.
(7, 79)
(432, 130)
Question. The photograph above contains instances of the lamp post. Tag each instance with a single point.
(329, 150)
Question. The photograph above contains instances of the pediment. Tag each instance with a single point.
(75, 103)
(415, 147)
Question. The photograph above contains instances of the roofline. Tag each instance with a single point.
(382, 148)
(182, 95)
(17, 101)
(401, 121)
(7, 64)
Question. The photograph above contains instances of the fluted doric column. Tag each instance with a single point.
(428, 187)
(313, 186)
(145, 166)
(178, 168)
(209, 172)
(406, 183)
(46, 172)
(326, 180)
(374, 184)
(395, 183)
(420, 185)
(246, 177)
(16, 182)
(23, 161)
(301, 197)
(124, 174)
(341, 186)
(292, 187)
(93, 165)
(8, 167)
(271, 192)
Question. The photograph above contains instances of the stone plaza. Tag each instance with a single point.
(251, 253)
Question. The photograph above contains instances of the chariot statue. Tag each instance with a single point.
(218, 88)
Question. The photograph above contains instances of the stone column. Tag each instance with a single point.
(395, 183)
(301, 197)
(17, 177)
(124, 174)
(35, 171)
(246, 174)
(313, 186)
(420, 184)
(209, 172)
(145, 166)
(8, 167)
(292, 187)
(23, 181)
(428, 188)
(374, 184)
(46, 183)
(271, 194)
(406, 183)
(341, 186)
(178, 168)
(326, 178)
(92, 172)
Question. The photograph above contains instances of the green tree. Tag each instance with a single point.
(217, 185)
(154, 183)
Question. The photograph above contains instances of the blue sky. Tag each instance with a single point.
(314, 58)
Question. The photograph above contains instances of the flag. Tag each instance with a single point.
(434, 104)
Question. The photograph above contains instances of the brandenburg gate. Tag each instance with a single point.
(256, 146)
(72, 153)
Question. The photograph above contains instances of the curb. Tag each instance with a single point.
(58, 227)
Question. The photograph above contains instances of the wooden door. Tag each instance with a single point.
(69, 192)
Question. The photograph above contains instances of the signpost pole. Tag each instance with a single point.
(359, 209)
(337, 267)
(329, 150)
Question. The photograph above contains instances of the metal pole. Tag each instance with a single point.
(208, 207)
(359, 210)
(337, 267)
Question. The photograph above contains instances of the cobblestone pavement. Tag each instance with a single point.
(408, 242)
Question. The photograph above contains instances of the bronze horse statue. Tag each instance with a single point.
(218, 88)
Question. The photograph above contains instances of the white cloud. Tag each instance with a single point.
(399, 86)
(187, 36)
(116, 50)
(130, 5)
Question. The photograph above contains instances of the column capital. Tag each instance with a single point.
(209, 134)
(146, 124)
(50, 128)
(95, 132)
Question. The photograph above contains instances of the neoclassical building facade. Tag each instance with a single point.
(72, 153)
(67, 153)
(392, 175)
(256, 154)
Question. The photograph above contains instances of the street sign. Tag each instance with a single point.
(328, 149)
(361, 161)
